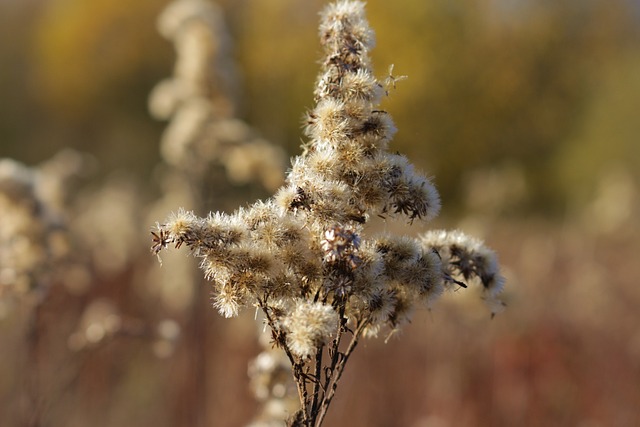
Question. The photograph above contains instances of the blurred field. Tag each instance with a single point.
(524, 112)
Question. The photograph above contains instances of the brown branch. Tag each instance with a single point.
(336, 373)
(298, 375)
(317, 385)
(32, 406)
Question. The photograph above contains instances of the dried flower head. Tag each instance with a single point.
(309, 326)
(340, 245)
(35, 244)
(199, 99)
(304, 257)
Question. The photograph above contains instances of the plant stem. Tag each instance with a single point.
(316, 385)
(298, 373)
(33, 404)
(336, 373)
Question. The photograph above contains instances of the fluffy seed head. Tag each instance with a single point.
(228, 301)
(309, 326)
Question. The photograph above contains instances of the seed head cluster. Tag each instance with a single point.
(303, 256)
(199, 101)
(35, 242)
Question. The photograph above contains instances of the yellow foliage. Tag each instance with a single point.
(82, 50)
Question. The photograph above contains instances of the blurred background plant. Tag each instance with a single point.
(524, 112)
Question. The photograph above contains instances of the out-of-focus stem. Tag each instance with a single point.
(32, 406)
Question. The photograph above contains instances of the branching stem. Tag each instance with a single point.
(336, 373)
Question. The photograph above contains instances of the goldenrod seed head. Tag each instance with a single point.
(309, 326)
(344, 18)
(228, 301)
(361, 85)
(466, 258)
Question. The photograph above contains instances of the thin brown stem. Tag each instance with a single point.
(302, 390)
(316, 384)
(298, 374)
(336, 373)
(314, 408)
(33, 400)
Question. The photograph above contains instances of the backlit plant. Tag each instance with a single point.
(305, 258)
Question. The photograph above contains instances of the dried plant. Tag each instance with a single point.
(200, 101)
(271, 384)
(203, 136)
(35, 245)
(304, 258)
(36, 253)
